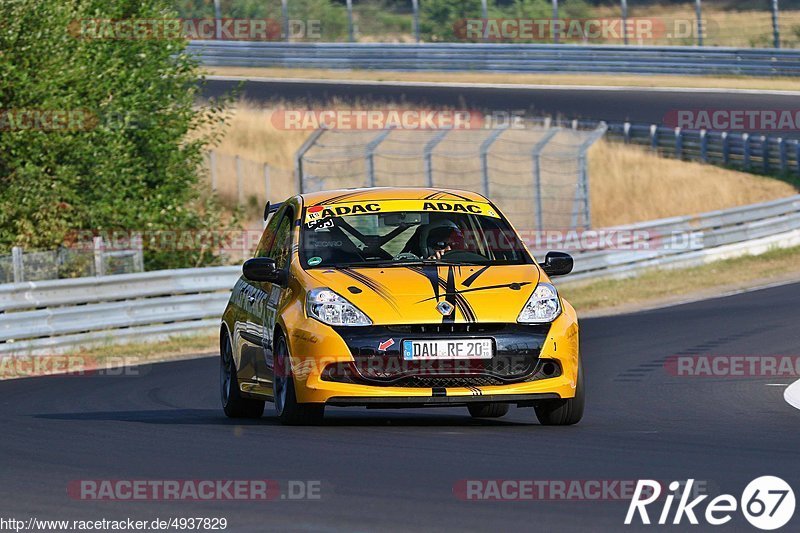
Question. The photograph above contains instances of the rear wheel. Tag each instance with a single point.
(563, 412)
(234, 405)
(488, 410)
(289, 410)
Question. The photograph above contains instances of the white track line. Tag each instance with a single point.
(606, 88)
(792, 394)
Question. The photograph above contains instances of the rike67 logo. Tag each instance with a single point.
(767, 503)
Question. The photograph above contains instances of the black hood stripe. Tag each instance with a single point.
(373, 285)
(470, 280)
(431, 272)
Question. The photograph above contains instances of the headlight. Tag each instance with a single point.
(542, 307)
(330, 308)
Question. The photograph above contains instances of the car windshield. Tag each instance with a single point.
(386, 234)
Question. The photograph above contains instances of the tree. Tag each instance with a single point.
(129, 153)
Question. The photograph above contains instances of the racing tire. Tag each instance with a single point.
(563, 412)
(290, 412)
(488, 410)
(234, 405)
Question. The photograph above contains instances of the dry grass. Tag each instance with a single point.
(631, 184)
(628, 183)
(630, 80)
(724, 27)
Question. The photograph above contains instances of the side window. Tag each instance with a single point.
(269, 233)
(282, 245)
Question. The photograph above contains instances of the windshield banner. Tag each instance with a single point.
(319, 212)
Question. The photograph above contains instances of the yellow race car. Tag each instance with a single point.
(398, 297)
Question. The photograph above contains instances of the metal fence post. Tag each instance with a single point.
(776, 31)
(285, 17)
(370, 155)
(626, 132)
(536, 153)
(212, 163)
(704, 146)
(726, 148)
(678, 143)
(415, 9)
(298, 157)
(784, 157)
(797, 155)
(218, 21)
(699, 11)
(99, 260)
(746, 150)
(624, 22)
(17, 264)
(239, 181)
(427, 155)
(582, 187)
(654, 136)
(556, 27)
(485, 146)
(138, 256)
(350, 32)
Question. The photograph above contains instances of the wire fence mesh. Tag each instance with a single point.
(67, 263)
(537, 174)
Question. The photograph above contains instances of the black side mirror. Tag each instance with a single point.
(263, 269)
(557, 264)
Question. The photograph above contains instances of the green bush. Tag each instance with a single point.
(130, 165)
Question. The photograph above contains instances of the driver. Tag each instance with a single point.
(442, 240)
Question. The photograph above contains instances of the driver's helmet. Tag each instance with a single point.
(441, 234)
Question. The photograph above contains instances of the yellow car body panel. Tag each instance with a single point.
(493, 294)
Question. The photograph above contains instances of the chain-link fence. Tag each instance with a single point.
(248, 184)
(69, 263)
(740, 23)
(537, 174)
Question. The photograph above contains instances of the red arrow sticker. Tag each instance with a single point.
(385, 344)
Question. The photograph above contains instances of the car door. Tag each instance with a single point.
(271, 294)
(249, 330)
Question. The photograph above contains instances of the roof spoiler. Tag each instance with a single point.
(270, 208)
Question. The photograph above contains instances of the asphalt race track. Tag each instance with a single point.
(636, 105)
(395, 470)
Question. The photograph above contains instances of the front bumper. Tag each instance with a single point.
(511, 377)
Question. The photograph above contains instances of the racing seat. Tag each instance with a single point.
(332, 246)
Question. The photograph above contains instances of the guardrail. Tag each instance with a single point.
(48, 316)
(748, 151)
(502, 57)
(44, 316)
(690, 240)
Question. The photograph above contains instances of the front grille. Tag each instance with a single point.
(352, 373)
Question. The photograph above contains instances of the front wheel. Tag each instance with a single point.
(234, 405)
(563, 412)
(290, 412)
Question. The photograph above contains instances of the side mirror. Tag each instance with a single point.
(557, 264)
(263, 269)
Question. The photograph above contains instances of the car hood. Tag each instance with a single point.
(410, 295)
